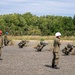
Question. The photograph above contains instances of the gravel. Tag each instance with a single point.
(27, 61)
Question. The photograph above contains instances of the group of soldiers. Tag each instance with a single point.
(66, 50)
(4, 41)
(56, 47)
(39, 46)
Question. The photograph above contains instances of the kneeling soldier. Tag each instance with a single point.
(22, 44)
(40, 46)
(67, 49)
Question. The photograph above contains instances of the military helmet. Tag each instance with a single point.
(69, 45)
(41, 42)
(58, 34)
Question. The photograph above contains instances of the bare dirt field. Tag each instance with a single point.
(27, 61)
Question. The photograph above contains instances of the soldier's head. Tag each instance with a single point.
(0, 32)
(58, 35)
(69, 45)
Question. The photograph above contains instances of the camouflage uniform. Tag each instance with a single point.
(1, 44)
(68, 49)
(41, 46)
(6, 40)
(22, 44)
(56, 49)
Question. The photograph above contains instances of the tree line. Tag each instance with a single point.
(29, 24)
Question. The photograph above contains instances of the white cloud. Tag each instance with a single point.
(38, 7)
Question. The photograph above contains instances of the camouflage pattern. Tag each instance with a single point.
(56, 45)
(55, 60)
(6, 41)
(22, 44)
(1, 44)
(40, 46)
(67, 49)
(56, 49)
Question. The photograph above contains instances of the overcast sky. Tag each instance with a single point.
(38, 7)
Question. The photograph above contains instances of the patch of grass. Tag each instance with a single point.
(40, 38)
(68, 38)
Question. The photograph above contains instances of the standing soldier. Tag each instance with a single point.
(56, 50)
(1, 43)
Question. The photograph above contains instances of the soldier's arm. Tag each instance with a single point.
(58, 41)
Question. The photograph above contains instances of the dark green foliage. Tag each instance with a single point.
(29, 24)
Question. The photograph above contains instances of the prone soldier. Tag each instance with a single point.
(68, 49)
(22, 43)
(40, 46)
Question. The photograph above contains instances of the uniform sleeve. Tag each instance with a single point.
(58, 41)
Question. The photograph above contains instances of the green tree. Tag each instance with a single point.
(33, 31)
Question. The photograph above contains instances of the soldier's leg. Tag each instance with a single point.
(0, 53)
(53, 60)
(38, 47)
(41, 47)
(8, 42)
(5, 42)
(57, 59)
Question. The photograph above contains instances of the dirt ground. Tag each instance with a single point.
(27, 61)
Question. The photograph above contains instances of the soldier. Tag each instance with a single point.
(68, 49)
(1, 43)
(40, 46)
(6, 41)
(22, 44)
(56, 50)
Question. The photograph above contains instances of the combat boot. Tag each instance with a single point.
(55, 67)
(1, 59)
